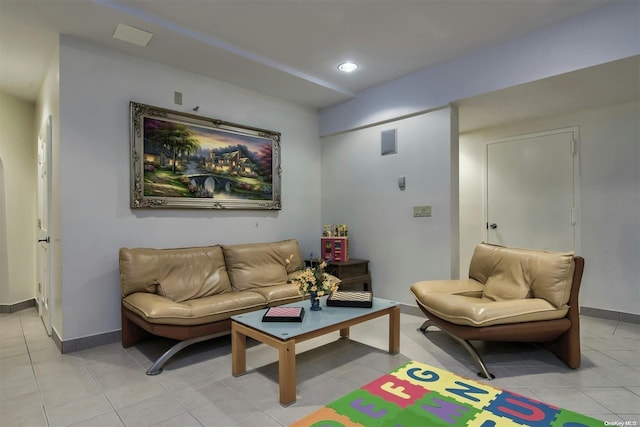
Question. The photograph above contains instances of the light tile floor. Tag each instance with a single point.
(107, 385)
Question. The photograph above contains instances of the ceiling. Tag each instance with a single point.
(291, 48)
(607, 84)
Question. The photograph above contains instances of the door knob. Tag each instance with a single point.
(44, 240)
(493, 226)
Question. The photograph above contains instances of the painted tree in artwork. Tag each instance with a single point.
(183, 141)
(172, 140)
(264, 161)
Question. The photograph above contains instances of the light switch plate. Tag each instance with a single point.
(402, 182)
(421, 211)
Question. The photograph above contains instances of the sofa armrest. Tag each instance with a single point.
(466, 287)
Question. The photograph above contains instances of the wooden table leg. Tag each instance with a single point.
(344, 333)
(287, 372)
(238, 351)
(394, 330)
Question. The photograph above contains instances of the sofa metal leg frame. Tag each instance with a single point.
(484, 373)
(156, 368)
(425, 325)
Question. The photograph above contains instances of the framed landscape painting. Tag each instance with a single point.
(180, 160)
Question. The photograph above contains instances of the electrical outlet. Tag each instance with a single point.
(177, 98)
(421, 211)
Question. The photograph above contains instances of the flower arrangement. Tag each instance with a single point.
(314, 281)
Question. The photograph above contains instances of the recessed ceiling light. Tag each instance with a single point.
(348, 67)
(132, 35)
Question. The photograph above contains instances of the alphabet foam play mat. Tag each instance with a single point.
(419, 395)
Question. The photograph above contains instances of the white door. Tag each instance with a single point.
(43, 254)
(530, 191)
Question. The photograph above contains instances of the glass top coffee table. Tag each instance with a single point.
(283, 336)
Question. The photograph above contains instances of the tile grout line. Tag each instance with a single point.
(179, 402)
(84, 363)
(618, 373)
(615, 328)
(35, 375)
(90, 373)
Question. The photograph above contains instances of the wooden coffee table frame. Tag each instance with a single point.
(287, 348)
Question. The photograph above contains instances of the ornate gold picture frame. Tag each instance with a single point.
(181, 160)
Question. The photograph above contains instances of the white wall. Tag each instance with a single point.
(96, 86)
(598, 37)
(18, 156)
(609, 199)
(360, 189)
(603, 35)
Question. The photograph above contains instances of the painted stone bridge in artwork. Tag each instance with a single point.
(211, 182)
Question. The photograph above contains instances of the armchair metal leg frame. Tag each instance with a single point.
(559, 336)
(484, 373)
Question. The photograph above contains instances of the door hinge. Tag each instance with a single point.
(39, 287)
(573, 147)
(573, 216)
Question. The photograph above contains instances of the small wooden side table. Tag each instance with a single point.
(353, 273)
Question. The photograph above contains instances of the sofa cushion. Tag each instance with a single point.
(289, 249)
(180, 274)
(161, 310)
(508, 283)
(483, 261)
(255, 265)
(503, 270)
(553, 276)
(512, 273)
(480, 312)
(279, 294)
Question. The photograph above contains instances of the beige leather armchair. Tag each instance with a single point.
(518, 295)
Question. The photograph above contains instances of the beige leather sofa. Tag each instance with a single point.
(520, 295)
(190, 294)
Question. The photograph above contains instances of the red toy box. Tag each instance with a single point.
(335, 249)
